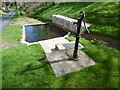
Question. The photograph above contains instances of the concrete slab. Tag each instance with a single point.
(59, 59)
(59, 47)
(70, 45)
(49, 44)
(61, 64)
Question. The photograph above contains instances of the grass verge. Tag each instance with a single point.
(12, 34)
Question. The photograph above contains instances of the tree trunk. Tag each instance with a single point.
(53, 3)
(16, 5)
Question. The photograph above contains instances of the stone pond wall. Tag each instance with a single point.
(67, 23)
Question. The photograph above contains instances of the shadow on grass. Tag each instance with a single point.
(30, 67)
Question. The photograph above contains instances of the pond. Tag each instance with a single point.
(36, 33)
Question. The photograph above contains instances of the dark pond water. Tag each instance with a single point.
(36, 33)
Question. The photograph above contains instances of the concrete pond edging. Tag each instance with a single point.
(68, 23)
(23, 40)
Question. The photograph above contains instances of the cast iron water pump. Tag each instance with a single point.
(79, 23)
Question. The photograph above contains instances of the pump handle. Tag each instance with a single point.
(84, 20)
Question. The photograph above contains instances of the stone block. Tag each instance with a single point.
(68, 23)
(59, 47)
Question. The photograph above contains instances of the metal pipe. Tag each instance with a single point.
(78, 36)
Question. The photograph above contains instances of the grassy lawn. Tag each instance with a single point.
(103, 15)
(21, 65)
(22, 69)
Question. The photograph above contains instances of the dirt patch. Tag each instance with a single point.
(7, 45)
(113, 43)
(24, 21)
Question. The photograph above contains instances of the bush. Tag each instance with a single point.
(19, 13)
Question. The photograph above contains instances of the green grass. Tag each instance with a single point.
(68, 9)
(12, 34)
(20, 65)
(103, 15)
(22, 69)
(24, 20)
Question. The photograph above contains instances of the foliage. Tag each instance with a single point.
(19, 12)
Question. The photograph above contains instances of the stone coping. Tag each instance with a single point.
(23, 40)
(68, 23)
(65, 18)
(33, 24)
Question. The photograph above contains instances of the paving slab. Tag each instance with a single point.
(57, 69)
(71, 45)
(61, 63)
(49, 44)
(59, 59)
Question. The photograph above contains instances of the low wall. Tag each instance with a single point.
(67, 23)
